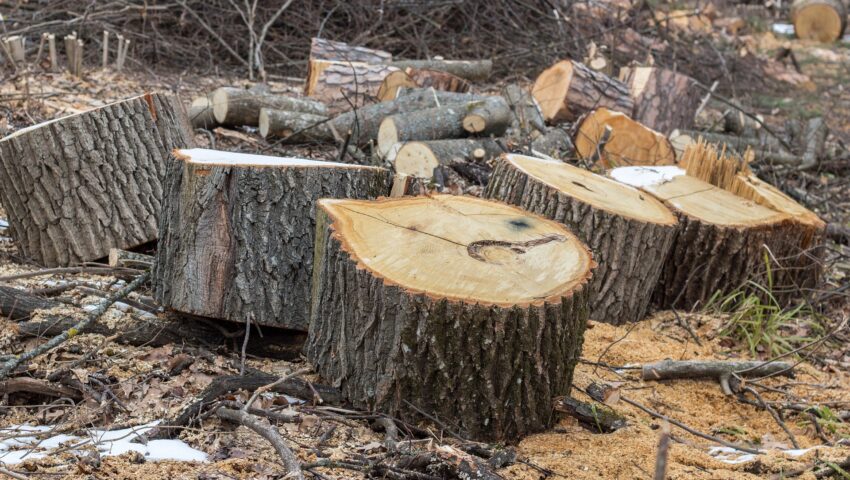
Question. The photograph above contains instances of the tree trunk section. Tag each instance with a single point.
(491, 116)
(484, 350)
(342, 84)
(76, 187)
(201, 113)
(664, 100)
(630, 233)
(470, 70)
(294, 126)
(555, 143)
(821, 20)
(237, 107)
(237, 233)
(569, 89)
(469, 155)
(629, 142)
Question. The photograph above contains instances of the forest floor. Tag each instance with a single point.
(143, 391)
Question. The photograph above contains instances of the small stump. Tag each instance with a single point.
(237, 232)
(467, 310)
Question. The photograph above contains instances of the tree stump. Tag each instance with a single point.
(237, 231)
(468, 310)
(629, 233)
(628, 143)
(664, 100)
(77, 186)
(722, 237)
(569, 89)
(821, 20)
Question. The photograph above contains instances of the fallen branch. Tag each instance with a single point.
(270, 433)
(41, 387)
(720, 370)
(17, 304)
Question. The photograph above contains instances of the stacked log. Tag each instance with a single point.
(722, 237)
(237, 231)
(612, 139)
(664, 100)
(569, 89)
(821, 20)
(467, 156)
(237, 107)
(420, 78)
(77, 186)
(407, 290)
(630, 233)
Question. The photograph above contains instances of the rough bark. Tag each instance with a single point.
(664, 100)
(527, 117)
(569, 89)
(17, 304)
(345, 83)
(628, 247)
(236, 107)
(323, 49)
(468, 156)
(76, 187)
(294, 126)
(438, 80)
(821, 20)
(555, 143)
(491, 116)
(597, 419)
(471, 70)
(490, 371)
(237, 234)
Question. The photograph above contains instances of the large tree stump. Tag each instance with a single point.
(237, 232)
(569, 89)
(236, 107)
(468, 310)
(77, 186)
(629, 233)
(664, 100)
(722, 237)
(626, 141)
(821, 20)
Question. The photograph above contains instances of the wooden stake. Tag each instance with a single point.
(16, 48)
(105, 49)
(118, 51)
(51, 47)
(78, 58)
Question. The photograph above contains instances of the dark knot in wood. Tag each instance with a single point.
(475, 249)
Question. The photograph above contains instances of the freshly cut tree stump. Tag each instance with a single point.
(236, 107)
(490, 116)
(629, 143)
(294, 126)
(722, 237)
(471, 70)
(821, 20)
(664, 100)
(344, 82)
(424, 304)
(323, 49)
(569, 89)
(629, 233)
(469, 155)
(237, 231)
(77, 186)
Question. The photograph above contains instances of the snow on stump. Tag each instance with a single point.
(78, 186)
(630, 233)
(237, 231)
(469, 310)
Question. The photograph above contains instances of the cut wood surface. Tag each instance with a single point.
(420, 78)
(420, 159)
(569, 89)
(821, 20)
(77, 186)
(629, 232)
(722, 237)
(490, 116)
(664, 100)
(629, 143)
(237, 232)
(236, 107)
(201, 113)
(17, 304)
(408, 290)
(294, 126)
(323, 49)
(345, 83)
(392, 82)
(471, 70)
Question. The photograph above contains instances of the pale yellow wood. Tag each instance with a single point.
(630, 142)
(461, 248)
(600, 192)
(551, 88)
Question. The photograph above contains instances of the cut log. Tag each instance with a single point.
(392, 82)
(629, 143)
(236, 107)
(345, 83)
(722, 237)
(821, 20)
(294, 126)
(77, 186)
(471, 70)
(421, 159)
(799, 268)
(555, 143)
(123, 259)
(408, 290)
(323, 49)
(489, 116)
(568, 89)
(673, 370)
(420, 78)
(527, 117)
(237, 232)
(17, 304)
(629, 232)
(664, 100)
(201, 113)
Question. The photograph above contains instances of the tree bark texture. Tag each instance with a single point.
(343, 84)
(471, 70)
(294, 126)
(570, 89)
(489, 371)
(664, 100)
(323, 49)
(76, 187)
(630, 252)
(491, 116)
(237, 241)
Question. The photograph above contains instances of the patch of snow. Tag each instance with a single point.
(645, 176)
(783, 29)
(107, 442)
(733, 456)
